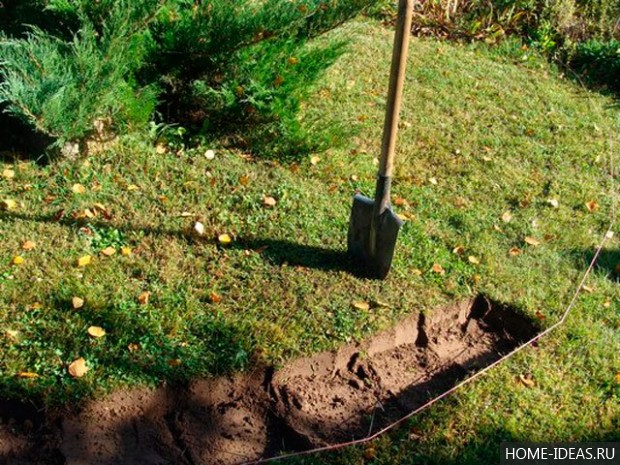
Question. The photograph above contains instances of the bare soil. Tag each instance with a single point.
(314, 401)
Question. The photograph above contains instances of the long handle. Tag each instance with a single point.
(397, 82)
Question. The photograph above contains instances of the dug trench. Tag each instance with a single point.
(310, 402)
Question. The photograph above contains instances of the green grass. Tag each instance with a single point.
(484, 131)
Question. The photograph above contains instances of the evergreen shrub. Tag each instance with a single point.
(238, 68)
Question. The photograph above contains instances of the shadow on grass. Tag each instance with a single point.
(19, 141)
(276, 251)
(607, 263)
(288, 253)
(37, 422)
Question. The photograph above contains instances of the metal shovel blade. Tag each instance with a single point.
(379, 260)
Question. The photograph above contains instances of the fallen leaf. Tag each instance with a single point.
(437, 268)
(269, 202)
(17, 260)
(27, 374)
(531, 241)
(507, 216)
(497, 228)
(28, 245)
(84, 260)
(539, 315)
(132, 347)
(126, 251)
(361, 305)
(77, 302)
(553, 202)
(199, 228)
(476, 278)
(514, 251)
(78, 368)
(132, 187)
(416, 272)
(12, 334)
(108, 251)
(224, 239)
(8, 174)
(588, 289)
(215, 297)
(400, 202)
(592, 206)
(473, 260)
(160, 148)
(78, 189)
(36, 306)
(380, 303)
(618, 378)
(315, 160)
(210, 154)
(607, 304)
(293, 61)
(100, 207)
(458, 250)
(609, 235)
(370, 453)
(460, 202)
(244, 180)
(59, 215)
(354, 178)
(144, 297)
(526, 381)
(433, 181)
(96, 331)
(278, 81)
(406, 216)
(8, 204)
(415, 434)
(79, 215)
(175, 362)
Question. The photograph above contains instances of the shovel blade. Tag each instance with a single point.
(379, 260)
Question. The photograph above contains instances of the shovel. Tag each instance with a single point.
(373, 227)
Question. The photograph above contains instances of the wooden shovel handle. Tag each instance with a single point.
(397, 81)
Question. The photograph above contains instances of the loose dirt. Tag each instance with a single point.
(314, 401)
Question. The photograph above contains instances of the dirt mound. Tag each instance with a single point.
(314, 401)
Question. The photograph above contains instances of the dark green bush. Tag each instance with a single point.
(233, 67)
(599, 61)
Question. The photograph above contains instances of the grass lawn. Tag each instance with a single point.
(503, 176)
